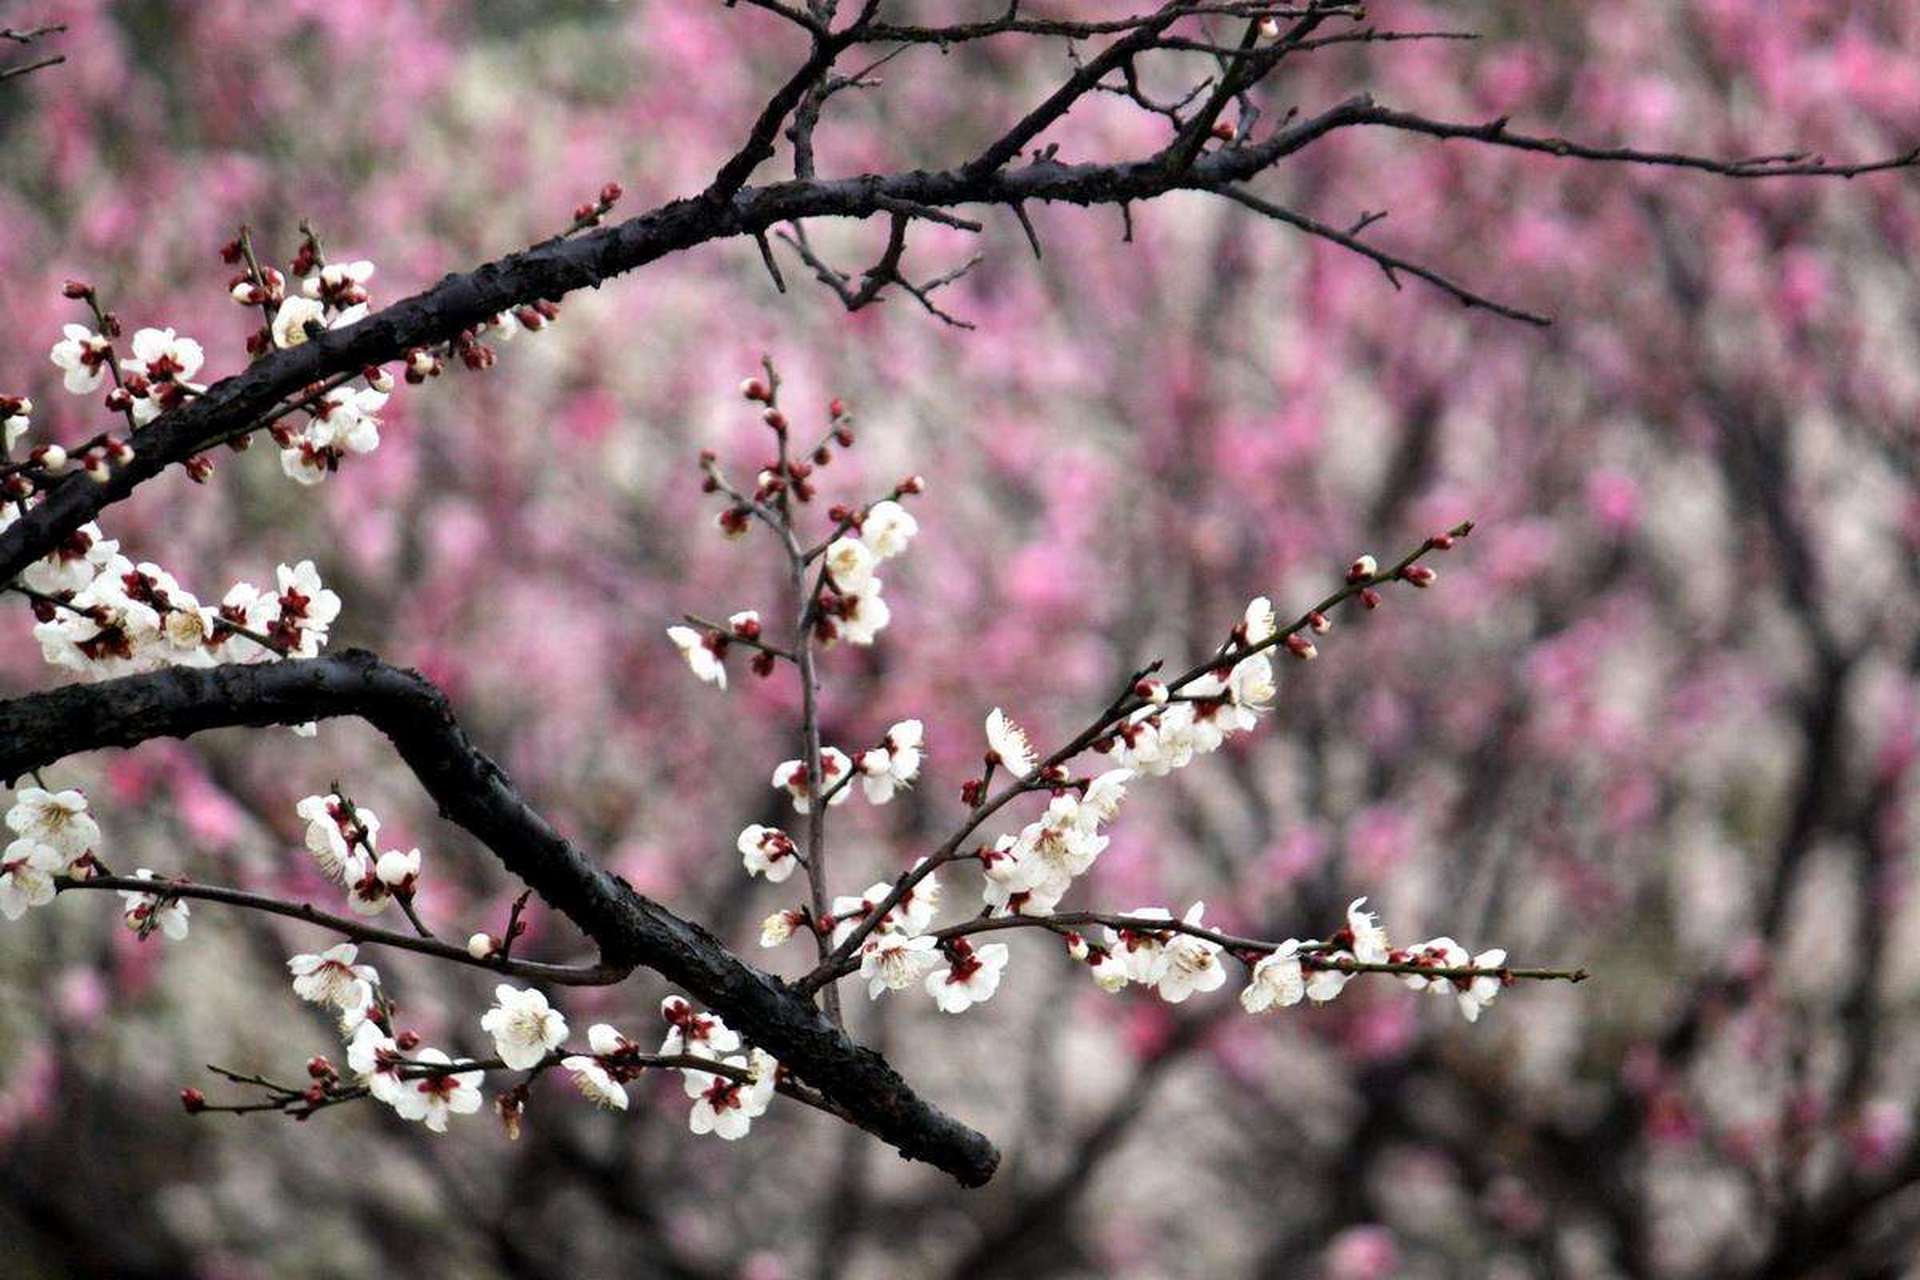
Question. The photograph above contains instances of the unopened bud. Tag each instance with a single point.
(191, 1100)
(79, 290)
(1301, 647)
(483, 946)
(775, 419)
(319, 1068)
(1153, 691)
(1319, 622)
(912, 484)
(754, 389)
(1363, 570)
(1419, 575)
(1370, 598)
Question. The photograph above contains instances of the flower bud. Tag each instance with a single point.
(754, 389)
(1301, 647)
(79, 290)
(1370, 598)
(483, 946)
(1362, 570)
(1419, 575)
(1319, 622)
(192, 1101)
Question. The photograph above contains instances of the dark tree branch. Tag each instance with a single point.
(472, 792)
(238, 404)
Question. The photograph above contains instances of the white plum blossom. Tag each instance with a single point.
(1140, 950)
(523, 1026)
(332, 978)
(1472, 994)
(376, 1060)
(703, 1035)
(701, 653)
(971, 975)
(1258, 626)
(726, 1107)
(432, 1098)
(1008, 744)
(160, 355)
(778, 927)
(850, 564)
(27, 870)
(334, 830)
(367, 893)
(1190, 964)
(146, 912)
(768, 851)
(1277, 981)
(58, 819)
(592, 1075)
(290, 321)
(892, 961)
(399, 871)
(862, 615)
(791, 777)
(911, 915)
(888, 528)
(895, 763)
(82, 357)
(1479, 992)
(343, 422)
(1366, 938)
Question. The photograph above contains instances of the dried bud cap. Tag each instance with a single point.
(79, 290)
(1419, 575)
(611, 193)
(482, 946)
(972, 792)
(1153, 691)
(775, 419)
(761, 664)
(230, 252)
(822, 456)
(319, 1068)
(1319, 622)
(1363, 570)
(407, 1041)
(754, 389)
(912, 484)
(1301, 647)
(1370, 598)
(192, 1101)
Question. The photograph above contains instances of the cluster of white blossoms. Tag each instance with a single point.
(1028, 873)
(706, 650)
(1170, 731)
(155, 378)
(107, 616)
(54, 835)
(881, 772)
(342, 836)
(854, 610)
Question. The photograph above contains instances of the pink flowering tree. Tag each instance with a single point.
(527, 548)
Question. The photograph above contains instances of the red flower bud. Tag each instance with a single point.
(192, 1101)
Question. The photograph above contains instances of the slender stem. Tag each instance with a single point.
(560, 975)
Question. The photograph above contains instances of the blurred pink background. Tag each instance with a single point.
(1659, 717)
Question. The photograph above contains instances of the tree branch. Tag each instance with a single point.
(473, 793)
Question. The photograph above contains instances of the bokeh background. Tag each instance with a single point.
(1659, 717)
